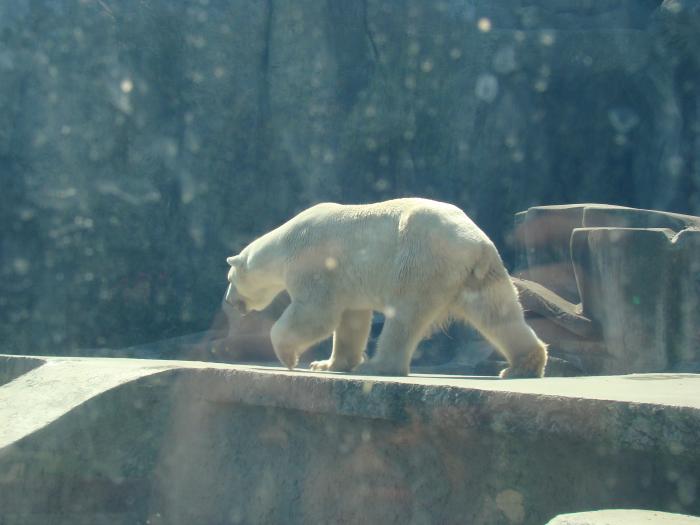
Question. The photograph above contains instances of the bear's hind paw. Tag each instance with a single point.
(320, 366)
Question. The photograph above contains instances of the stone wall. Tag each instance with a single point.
(152, 441)
(142, 141)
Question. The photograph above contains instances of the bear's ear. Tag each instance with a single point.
(234, 262)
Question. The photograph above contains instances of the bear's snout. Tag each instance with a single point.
(234, 300)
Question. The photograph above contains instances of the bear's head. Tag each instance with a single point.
(248, 289)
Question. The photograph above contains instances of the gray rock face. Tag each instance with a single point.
(624, 282)
(635, 275)
(143, 141)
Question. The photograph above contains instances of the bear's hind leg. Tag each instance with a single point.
(349, 342)
(397, 342)
(300, 326)
(497, 314)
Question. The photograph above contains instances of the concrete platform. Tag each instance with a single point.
(95, 440)
(624, 517)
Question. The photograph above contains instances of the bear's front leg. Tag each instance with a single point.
(301, 326)
(349, 342)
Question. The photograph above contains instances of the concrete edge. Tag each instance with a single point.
(524, 407)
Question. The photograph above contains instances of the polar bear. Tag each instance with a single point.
(422, 263)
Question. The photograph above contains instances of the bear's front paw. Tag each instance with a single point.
(287, 356)
(329, 365)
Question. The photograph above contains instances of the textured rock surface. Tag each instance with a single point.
(542, 238)
(142, 141)
(624, 278)
(634, 275)
(126, 441)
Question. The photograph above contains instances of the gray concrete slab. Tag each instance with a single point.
(189, 442)
(624, 517)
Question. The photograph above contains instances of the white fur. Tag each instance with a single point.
(421, 262)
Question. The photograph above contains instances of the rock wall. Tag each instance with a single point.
(142, 141)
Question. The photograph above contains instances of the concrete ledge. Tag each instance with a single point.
(12, 367)
(624, 517)
(188, 442)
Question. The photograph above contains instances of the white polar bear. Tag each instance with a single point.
(420, 262)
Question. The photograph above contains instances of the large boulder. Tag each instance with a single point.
(611, 288)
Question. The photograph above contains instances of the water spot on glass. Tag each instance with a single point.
(410, 82)
(675, 165)
(426, 66)
(541, 86)
(370, 112)
(21, 266)
(687, 489)
(384, 160)
(126, 85)
(27, 214)
(196, 41)
(620, 139)
(331, 263)
(219, 72)
(547, 38)
(504, 60)
(484, 25)
(413, 48)
(676, 448)
(371, 144)
(381, 184)
(623, 119)
(510, 503)
(389, 312)
(486, 88)
(455, 53)
(673, 7)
